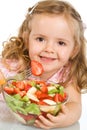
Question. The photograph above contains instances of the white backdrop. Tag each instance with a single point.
(12, 13)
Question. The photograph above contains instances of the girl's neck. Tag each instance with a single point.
(45, 76)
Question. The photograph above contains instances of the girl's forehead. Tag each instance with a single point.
(51, 26)
(43, 18)
(51, 19)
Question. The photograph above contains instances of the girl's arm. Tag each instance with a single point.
(70, 113)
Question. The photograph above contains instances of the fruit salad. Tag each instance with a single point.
(30, 98)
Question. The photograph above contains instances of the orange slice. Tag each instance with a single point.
(2, 81)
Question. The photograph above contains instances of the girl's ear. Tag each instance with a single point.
(75, 52)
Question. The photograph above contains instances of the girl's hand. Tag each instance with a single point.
(69, 114)
(53, 121)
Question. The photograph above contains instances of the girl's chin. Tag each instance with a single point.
(49, 69)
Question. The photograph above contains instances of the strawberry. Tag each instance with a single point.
(22, 93)
(16, 90)
(9, 90)
(20, 85)
(43, 86)
(27, 87)
(36, 68)
(58, 98)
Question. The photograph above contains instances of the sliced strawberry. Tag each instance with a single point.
(14, 83)
(22, 93)
(36, 68)
(16, 90)
(27, 87)
(41, 95)
(20, 85)
(58, 98)
(38, 94)
(9, 90)
(43, 86)
(64, 96)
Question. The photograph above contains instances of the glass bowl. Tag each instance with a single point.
(27, 99)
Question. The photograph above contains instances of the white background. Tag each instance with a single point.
(12, 13)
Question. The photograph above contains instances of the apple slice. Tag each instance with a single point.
(31, 93)
(49, 102)
(52, 108)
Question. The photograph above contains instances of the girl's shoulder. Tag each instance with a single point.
(61, 75)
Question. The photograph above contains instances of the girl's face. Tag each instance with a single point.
(51, 41)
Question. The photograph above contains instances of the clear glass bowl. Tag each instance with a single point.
(28, 110)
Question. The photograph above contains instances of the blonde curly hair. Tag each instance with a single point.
(54, 7)
(15, 48)
(59, 7)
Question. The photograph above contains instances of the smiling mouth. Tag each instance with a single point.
(47, 58)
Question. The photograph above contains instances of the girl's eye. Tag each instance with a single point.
(40, 39)
(61, 43)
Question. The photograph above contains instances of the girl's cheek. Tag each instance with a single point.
(64, 54)
(34, 49)
(31, 54)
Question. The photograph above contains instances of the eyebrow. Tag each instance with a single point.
(59, 39)
(62, 39)
(39, 35)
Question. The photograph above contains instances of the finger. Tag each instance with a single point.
(60, 116)
(44, 121)
(54, 119)
(40, 124)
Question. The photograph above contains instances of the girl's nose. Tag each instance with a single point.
(49, 47)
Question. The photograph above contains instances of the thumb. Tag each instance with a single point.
(64, 109)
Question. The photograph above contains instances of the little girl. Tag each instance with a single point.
(53, 34)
